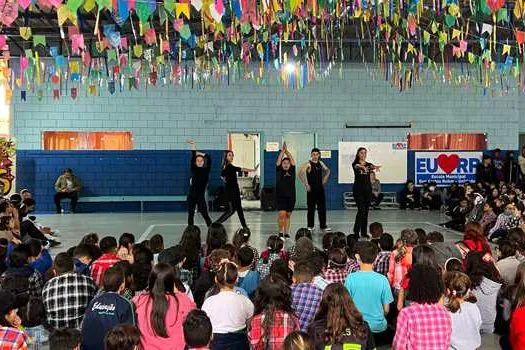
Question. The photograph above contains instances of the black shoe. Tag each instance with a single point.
(283, 236)
(54, 243)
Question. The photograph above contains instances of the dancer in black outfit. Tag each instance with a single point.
(285, 190)
(314, 174)
(200, 174)
(362, 191)
(233, 193)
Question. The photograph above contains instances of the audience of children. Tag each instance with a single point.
(123, 294)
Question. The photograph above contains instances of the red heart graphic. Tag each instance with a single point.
(448, 163)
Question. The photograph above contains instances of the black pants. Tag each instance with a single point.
(197, 200)
(63, 195)
(234, 205)
(362, 200)
(316, 197)
(376, 200)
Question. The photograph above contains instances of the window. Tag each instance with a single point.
(445, 141)
(78, 140)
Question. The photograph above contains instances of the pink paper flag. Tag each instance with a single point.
(165, 46)
(56, 3)
(86, 58)
(150, 36)
(77, 43)
(219, 6)
(463, 46)
(72, 30)
(3, 42)
(24, 62)
(123, 42)
(9, 11)
(24, 3)
(178, 23)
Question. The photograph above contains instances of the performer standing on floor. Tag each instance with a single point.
(362, 191)
(314, 174)
(285, 190)
(200, 174)
(233, 193)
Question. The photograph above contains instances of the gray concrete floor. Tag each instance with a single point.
(73, 226)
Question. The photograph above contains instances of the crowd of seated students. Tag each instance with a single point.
(416, 292)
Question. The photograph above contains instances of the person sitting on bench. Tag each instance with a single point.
(67, 186)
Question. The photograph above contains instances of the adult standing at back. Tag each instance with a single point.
(521, 163)
(67, 186)
(285, 190)
(314, 175)
(362, 190)
(200, 175)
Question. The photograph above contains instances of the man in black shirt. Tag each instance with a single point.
(314, 174)
(485, 172)
(285, 190)
(200, 174)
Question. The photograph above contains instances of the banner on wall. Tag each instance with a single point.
(392, 156)
(446, 167)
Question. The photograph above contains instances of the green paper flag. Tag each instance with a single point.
(39, 40)
(502, 15)
(104, 3)
(486, 55)
(169, 5)
(246, 27)
(185, 32)
(450, 20)
(434, 27)
(28, 53)
(162, 15)
(112, 55)
(471, 57)
(73, 5)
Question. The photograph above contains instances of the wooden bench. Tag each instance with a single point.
(389, 200)
(141, 199)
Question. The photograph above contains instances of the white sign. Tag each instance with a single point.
(326, 154)
(446, 167)
(272, 146)
(392, 156)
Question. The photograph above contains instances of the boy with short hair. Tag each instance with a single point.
(248, 278)
(376, 230)
(370, 292)
(306, 296)
(65, 339)
(122, 337)
(83, 256)
(106, 311)
(108, 246)
(176, 257)
(197, 330)
(386, 244)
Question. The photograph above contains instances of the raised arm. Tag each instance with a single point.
(289, 155)
(280, 157)
(248, 170)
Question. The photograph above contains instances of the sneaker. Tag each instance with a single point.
(54, 244)
(326, 229)
(283, 236)
(310, 229)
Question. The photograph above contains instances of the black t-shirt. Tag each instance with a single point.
(229, 173)
(285, 182)
(315, 175)
(362, 177)
(317, 329)
(199, 176)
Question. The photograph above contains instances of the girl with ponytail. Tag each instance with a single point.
(228, 310)
(466, 318)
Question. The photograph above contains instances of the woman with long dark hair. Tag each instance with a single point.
(274, 316)
(191, 246)
(362, 190)
(233, 193)
(200, 173)
(339, 323)
(161, 310)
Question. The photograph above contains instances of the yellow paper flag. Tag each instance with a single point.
(25, 33)
(89, 5)
(426, 37)
(471, 57)
(434, 27)
(455, 33)
(64, 14)
(506, 50)
(410, 48)
(74, 67)
(182, 9)
(137, 50)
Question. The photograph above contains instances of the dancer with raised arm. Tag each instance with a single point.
(362, 191)
(285, 190)
(233, 193)
(314, 175)
(200, 175)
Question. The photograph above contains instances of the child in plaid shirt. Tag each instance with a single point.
(386, 244)
(11, 337)
(269, 255)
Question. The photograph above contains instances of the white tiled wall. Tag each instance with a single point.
(164, 117)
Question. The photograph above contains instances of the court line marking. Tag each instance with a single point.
(150, 228)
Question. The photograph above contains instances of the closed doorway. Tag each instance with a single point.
(300, 145)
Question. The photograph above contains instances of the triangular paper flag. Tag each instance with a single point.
(506, 50)
(520, 36)
(3, 42)
(463, 46)
(471, 57)
(73, 5)
(450, 20)
(182, 9)
(455, 33)
(24, 4)
(89, 5)
(137, 51)
(502, 15)
(486, 28)
(434, 27)
(197, 4)
(169, 5)
(39, 40)
(8, 11)
(426, 37)
(25, 33)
